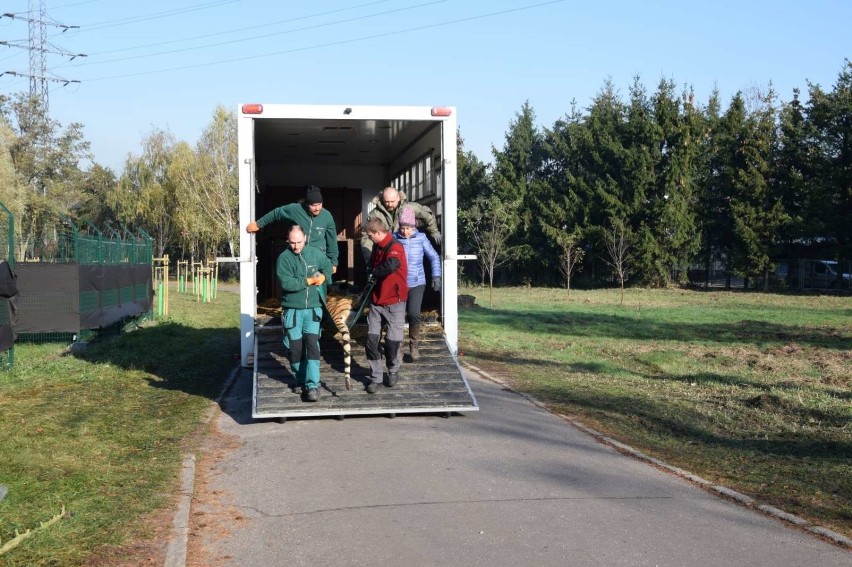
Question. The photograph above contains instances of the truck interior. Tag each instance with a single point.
(351, 161)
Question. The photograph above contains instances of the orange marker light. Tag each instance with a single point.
(252, 109)
(441, 111)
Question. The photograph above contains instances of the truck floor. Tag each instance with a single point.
(433, 384)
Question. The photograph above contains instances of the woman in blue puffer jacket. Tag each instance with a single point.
(416, 247)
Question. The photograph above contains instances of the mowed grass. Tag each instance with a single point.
(102, 433)
(752, 391)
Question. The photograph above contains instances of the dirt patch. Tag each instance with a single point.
(210, 519)
(133, 554)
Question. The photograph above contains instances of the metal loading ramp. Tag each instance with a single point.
(433, 384)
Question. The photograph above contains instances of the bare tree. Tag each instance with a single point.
(617, 241)
(570, 253)
(491, 223)
(570, 256)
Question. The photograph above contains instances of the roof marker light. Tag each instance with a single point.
(441, 111)
(252, 109)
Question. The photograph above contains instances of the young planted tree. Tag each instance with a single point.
(617, 244)
(570, 252)
(491, 224)
(473, 183)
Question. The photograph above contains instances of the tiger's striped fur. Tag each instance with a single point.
(339, 306)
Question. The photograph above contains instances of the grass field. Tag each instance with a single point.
(101, 434)
(749, 390)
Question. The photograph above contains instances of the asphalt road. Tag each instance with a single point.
(508, 485)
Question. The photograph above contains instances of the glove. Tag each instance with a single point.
(436, 284)
(317, 279)
(252, 227)
(436, 236)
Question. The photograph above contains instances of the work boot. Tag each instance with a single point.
(414, 338)
(373, 386)
(393, 378)
(312, 395)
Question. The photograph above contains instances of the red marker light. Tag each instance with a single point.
(252, 109)
(441, 111)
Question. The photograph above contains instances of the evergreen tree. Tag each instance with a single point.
(643, 147)
(515, 180)
(794, 174)
(728, 161)
(756, 208)
(710, 198)
(674, 227)
(830, 114)
(564, 210)
(603, 164)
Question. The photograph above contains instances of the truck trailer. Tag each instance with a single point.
(351, 152)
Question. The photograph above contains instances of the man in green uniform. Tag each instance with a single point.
(316, 222)
(302, 271)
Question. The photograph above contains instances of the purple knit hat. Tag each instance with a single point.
(406, 217)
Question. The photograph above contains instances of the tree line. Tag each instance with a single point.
(185, 197)
(643, 187)
(637, 188)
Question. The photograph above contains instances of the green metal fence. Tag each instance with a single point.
(66, 242)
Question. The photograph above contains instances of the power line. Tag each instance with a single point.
(205, 36)
(306, 28)
(335, 43)
(74, 4)
(156, 15)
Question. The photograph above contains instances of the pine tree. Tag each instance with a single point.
(564, 208)
(830, 114)
(794, 173)
(756, 208)
(515, 180)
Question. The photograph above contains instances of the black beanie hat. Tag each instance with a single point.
(312, 195)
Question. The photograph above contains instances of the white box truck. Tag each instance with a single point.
(351, 152)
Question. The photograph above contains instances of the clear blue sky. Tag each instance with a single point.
(168, 63)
